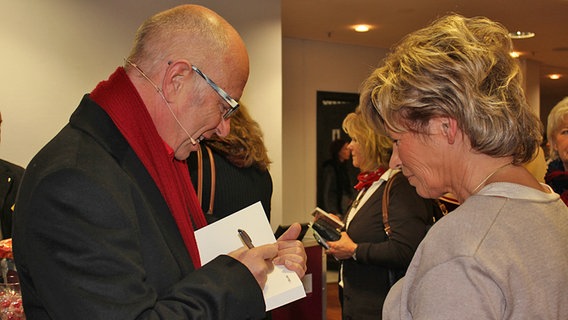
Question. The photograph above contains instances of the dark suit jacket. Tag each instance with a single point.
(365, 281)
(94, 239)
(10, 177)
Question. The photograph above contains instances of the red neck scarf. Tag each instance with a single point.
(118, 97)
(367, 178)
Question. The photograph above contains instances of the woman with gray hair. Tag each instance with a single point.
(557, 132)
(450, 96)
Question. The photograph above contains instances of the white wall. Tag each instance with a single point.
(55, 51)
(311, 66)
(531, 83)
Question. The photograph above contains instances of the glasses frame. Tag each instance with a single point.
(234, 105)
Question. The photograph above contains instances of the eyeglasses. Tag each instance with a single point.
(232, 102)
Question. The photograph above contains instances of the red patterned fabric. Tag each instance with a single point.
(367, 178)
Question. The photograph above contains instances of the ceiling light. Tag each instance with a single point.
(515, 54)
(554, 76)
(521, 35)
(362, 28)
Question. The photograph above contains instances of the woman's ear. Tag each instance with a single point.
(449, 128)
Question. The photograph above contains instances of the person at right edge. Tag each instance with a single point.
(557, 132)
(451, 98)
(369, 257)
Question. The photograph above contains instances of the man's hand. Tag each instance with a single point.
(258, 260)
(286, 251)
(291, 252)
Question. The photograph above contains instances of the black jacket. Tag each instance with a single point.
(94, 238)
(10, 177)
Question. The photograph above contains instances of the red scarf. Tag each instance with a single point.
(367, 178)
(118, 97)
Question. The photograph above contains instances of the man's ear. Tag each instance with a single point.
(176, 77)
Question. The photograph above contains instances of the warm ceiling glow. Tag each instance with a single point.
(362, 28)
(515, 54)
(521, 35)
(554, 76)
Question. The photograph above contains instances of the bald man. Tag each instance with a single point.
(104, 224)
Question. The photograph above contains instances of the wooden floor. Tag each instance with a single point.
(333, 311)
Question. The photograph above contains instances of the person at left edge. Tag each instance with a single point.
(10, 177)
(105, 216)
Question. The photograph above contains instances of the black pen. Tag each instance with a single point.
(245, 238)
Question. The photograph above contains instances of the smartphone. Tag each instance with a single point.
(320, 240)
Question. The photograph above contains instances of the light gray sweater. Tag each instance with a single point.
(503, 254)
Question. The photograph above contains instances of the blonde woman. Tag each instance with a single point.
(366, 252)
(236, 174)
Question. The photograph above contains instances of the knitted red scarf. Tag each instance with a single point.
(118, 97)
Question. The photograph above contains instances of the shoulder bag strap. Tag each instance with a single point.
(200, 177)
(386, 204)
(213, 179)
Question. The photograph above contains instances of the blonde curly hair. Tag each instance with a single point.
(459, 68)
(244, 145)
(376, 146)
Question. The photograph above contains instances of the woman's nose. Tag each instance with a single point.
(223, 128)
(395, 162)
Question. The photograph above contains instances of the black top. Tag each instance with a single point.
(366, 280)
(338, 192)
(235, 188)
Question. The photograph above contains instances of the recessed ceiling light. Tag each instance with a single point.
(521, 35)
(554, 76)
(362, 27)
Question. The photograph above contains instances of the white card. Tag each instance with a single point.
(221, 237)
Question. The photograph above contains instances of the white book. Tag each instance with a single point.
(221, 237)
